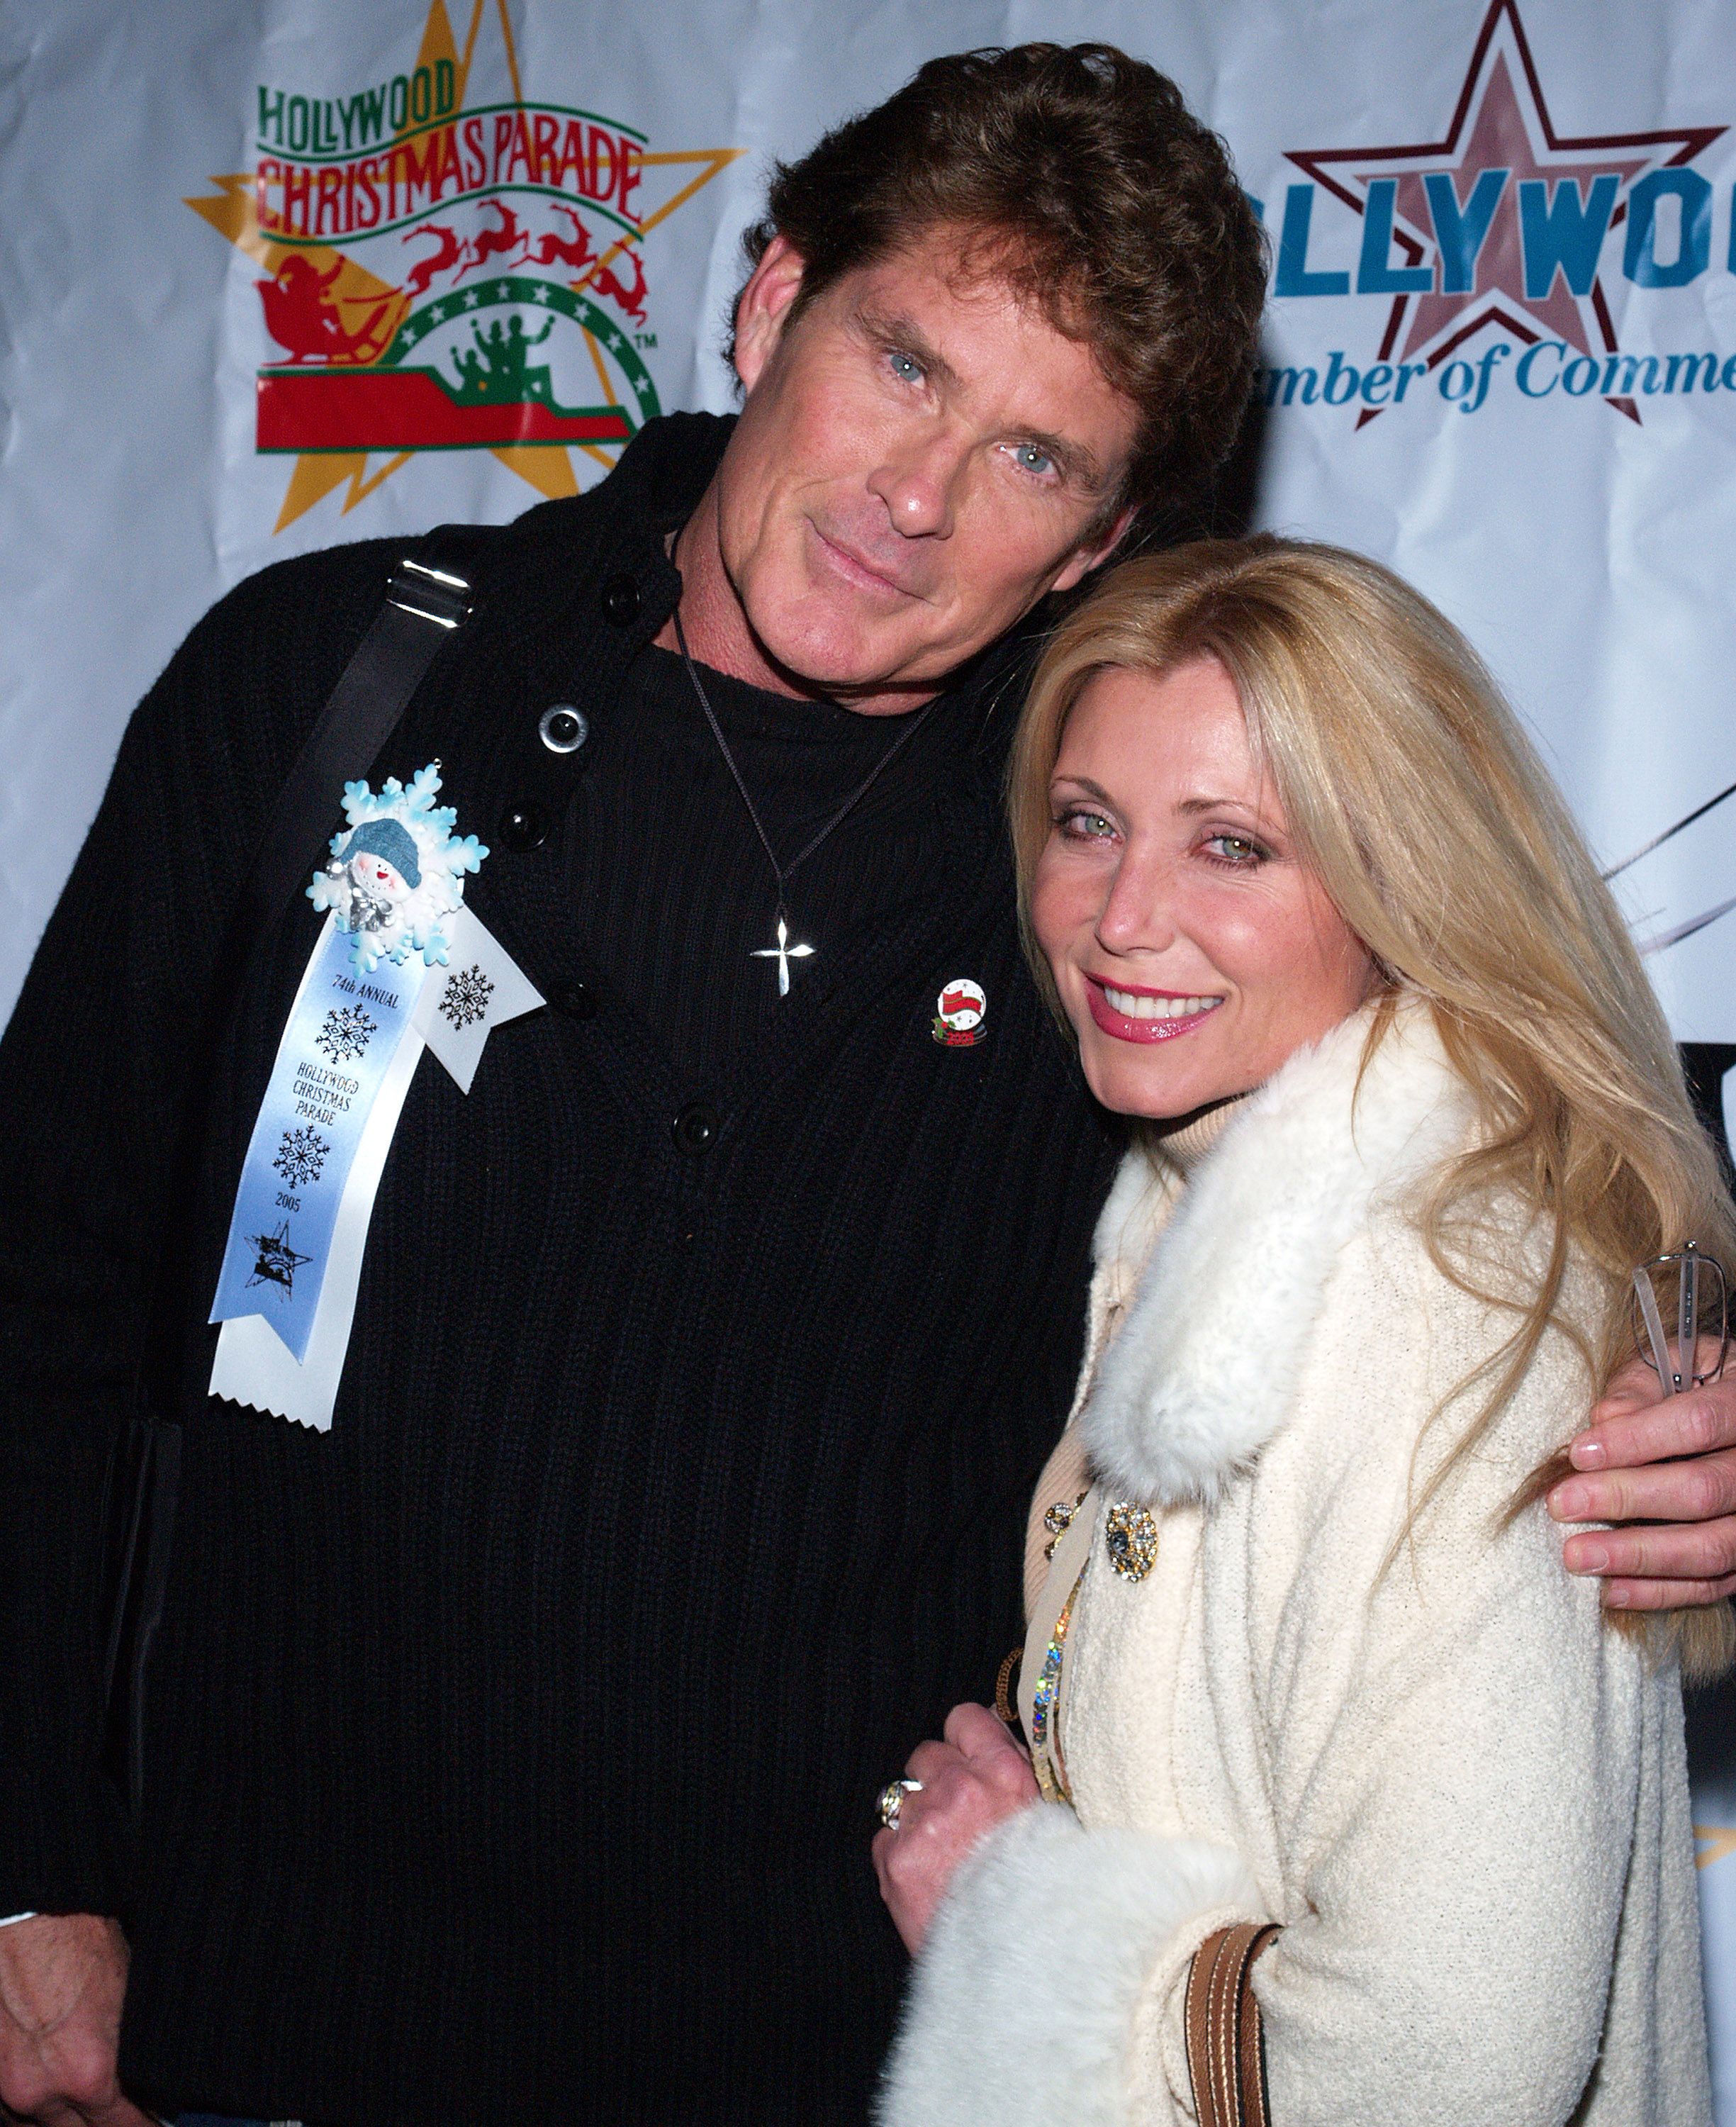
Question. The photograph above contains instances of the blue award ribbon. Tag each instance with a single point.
(344, 1029)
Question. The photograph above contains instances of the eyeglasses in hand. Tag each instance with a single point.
(1692, 1287)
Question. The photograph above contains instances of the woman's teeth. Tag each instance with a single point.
(1157, 1007)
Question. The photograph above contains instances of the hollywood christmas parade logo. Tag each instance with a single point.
(441, 272)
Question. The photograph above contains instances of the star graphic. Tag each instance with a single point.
(1501, 122)
(470, 299)
(1720, 1841)
(375, 311)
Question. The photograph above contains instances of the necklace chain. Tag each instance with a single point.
(782, 872)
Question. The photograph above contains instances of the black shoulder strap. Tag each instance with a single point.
(428, 599)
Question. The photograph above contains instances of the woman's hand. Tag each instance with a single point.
(978, 1776)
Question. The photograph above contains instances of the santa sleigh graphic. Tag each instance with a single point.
(425, 366)
(304, 314)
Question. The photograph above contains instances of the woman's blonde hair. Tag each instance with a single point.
(1416, 800)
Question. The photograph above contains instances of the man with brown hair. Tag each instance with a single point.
(506, 1752)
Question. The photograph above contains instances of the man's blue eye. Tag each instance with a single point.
(907, 367)
(1033, 459)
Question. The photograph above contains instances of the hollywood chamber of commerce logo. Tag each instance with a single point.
(1500, 234)
(441, 272)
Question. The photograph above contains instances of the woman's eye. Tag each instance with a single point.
(1081, 825)
(1236, 849)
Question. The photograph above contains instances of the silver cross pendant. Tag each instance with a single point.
(782, 953)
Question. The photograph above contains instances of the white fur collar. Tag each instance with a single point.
(1205, 1368)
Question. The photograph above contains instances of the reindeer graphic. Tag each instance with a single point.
(632, 300)
(449, 252)
(497, 242)
(574, 252)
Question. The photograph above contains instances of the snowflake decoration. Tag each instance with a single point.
(396, 872)
(300, 1156)
(466, 996)
(346, 1033)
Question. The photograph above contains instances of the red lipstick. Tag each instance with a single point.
(1124, 1029)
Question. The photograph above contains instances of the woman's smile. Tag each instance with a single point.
(1135, 1015)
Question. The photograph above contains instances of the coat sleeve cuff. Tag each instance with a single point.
(1022, 2005)
(64, 1845)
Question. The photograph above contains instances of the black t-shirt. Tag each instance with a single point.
(673, 886)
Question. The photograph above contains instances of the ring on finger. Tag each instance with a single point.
(891, 1800)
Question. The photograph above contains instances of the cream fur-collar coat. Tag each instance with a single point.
(1462, 1795)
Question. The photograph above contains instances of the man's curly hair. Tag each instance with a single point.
(1080, 177)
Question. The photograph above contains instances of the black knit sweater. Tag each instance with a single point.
(509, 1750)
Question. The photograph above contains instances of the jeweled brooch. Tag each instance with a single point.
(1056, 1520)
(1130, 1537)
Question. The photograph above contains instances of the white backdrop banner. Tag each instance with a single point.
(285, 274)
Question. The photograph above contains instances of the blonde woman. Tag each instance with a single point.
(1301, 1656)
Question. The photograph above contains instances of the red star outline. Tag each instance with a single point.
(1487, 304)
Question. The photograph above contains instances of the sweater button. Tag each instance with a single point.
(620, 601)
(695, 1129)
(576, 1000)
(563, 729)
(523, 826)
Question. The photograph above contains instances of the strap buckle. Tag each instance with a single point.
(430, 594)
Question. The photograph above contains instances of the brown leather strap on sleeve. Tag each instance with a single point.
(1225, 2061)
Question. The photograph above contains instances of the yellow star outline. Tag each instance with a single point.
(1714, 1842)
(381, 308)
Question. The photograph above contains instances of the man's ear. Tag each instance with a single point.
(1094, 552)
(765, 304)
